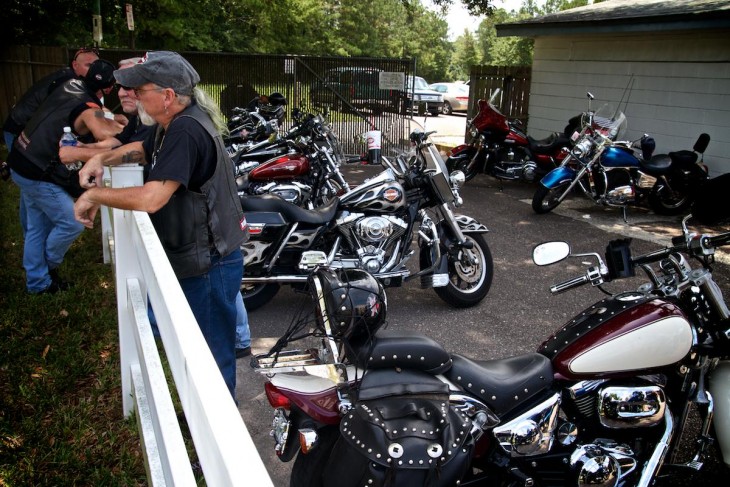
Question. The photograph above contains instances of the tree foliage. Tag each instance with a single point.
(378, 28)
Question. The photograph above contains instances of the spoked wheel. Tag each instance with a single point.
(257, 295)
(665, 201)
(308, 469)
(469, 282)
(461, 164)
(545, 199)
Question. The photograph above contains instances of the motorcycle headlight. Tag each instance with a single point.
(581, 148)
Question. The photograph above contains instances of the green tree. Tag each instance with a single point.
(464, 55)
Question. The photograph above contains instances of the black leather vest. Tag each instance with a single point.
(22, 111)
(192, 225)
(38, 142)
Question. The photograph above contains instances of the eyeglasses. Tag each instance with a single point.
(84, 50)
(137, 91)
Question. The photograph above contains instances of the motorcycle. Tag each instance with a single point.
(675, 188)
(500, 147)
(604, 401)
(306, 169)
(372, 227)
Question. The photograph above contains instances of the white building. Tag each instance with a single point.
(669, 60)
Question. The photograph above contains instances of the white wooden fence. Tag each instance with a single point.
(224, 447)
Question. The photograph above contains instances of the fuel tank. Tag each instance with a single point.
(382, 193)
(620, 336)
(282, 167)
(619, 157)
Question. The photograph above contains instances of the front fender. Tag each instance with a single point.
(558, 176)
(468, 224)
(462, 149)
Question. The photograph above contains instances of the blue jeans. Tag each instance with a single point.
(51, 229)
(243, 333)
(212, 298)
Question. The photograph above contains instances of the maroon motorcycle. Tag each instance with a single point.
(500, 147)
(604, 401)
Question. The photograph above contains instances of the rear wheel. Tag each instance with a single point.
(308, 469)
(447, 109)
(257, 295)
(469, 282)
(545, 200)
(664, 201)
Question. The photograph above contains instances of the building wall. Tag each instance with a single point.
(673, 86)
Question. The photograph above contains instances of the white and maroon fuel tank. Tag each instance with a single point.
(618, 336)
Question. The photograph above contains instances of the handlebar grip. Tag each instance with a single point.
(569, 284)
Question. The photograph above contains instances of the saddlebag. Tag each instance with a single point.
(414, 439)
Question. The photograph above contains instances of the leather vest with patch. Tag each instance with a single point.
(38, 142)
(192, 226)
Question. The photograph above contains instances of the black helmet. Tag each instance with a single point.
(354, 303)
(277, 99)
(100, 75)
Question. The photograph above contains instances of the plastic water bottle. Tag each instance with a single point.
(69, 139)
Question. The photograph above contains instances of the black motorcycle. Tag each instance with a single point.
(371, 227)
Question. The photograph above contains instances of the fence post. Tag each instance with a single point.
(127, 265)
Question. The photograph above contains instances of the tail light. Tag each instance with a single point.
(275, 397)
(463, 98)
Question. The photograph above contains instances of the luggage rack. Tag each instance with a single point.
(286, 361)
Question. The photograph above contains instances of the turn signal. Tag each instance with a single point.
(275, 397)
(307, 439)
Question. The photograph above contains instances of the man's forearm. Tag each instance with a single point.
(132, 153)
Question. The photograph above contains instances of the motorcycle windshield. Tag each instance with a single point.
(436, 168)
(610, 122)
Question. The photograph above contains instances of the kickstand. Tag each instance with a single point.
(623, 210)
(501, 185)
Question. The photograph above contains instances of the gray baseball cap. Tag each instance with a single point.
(166, 69)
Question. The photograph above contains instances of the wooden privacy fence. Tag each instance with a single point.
(514, 81)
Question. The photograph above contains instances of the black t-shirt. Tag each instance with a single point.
(134, 131)
(185, 153)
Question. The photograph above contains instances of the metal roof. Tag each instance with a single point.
(614, 16)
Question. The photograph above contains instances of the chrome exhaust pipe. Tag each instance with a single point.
(657, 458)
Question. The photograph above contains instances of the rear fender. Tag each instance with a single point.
(558, 176)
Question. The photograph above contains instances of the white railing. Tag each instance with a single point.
(224, 447)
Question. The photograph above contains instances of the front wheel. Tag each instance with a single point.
(308, 469)
(461, 163)
(257, 295)
(665, 201)
(547, 199)
(469, 282)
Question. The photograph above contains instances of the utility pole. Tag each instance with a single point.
(130, 23)
(96, 22)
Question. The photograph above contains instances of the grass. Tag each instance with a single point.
(61, 417)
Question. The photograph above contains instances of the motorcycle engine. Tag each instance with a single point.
(370, 237)
(513, 163)
(294, 192)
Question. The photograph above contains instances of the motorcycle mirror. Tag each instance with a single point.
(550, 252)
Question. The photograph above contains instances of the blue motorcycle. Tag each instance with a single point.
(620, 173)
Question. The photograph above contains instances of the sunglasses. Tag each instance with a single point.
(84, 50)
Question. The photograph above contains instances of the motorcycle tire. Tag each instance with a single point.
(308, 469)
(664, 201)
(469, 284)
(460, 165)
(255, 296)
(546, 200)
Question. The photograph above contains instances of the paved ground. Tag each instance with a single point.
(518, 313)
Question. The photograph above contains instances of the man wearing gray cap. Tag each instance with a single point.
(189, 192)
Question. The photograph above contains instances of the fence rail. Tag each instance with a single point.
(223, 445)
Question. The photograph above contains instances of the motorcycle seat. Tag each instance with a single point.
(380, 383)
(657, 165)
(683, 157)
(502, 384)
(290, 211)
(550, 144)
(404, 349)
